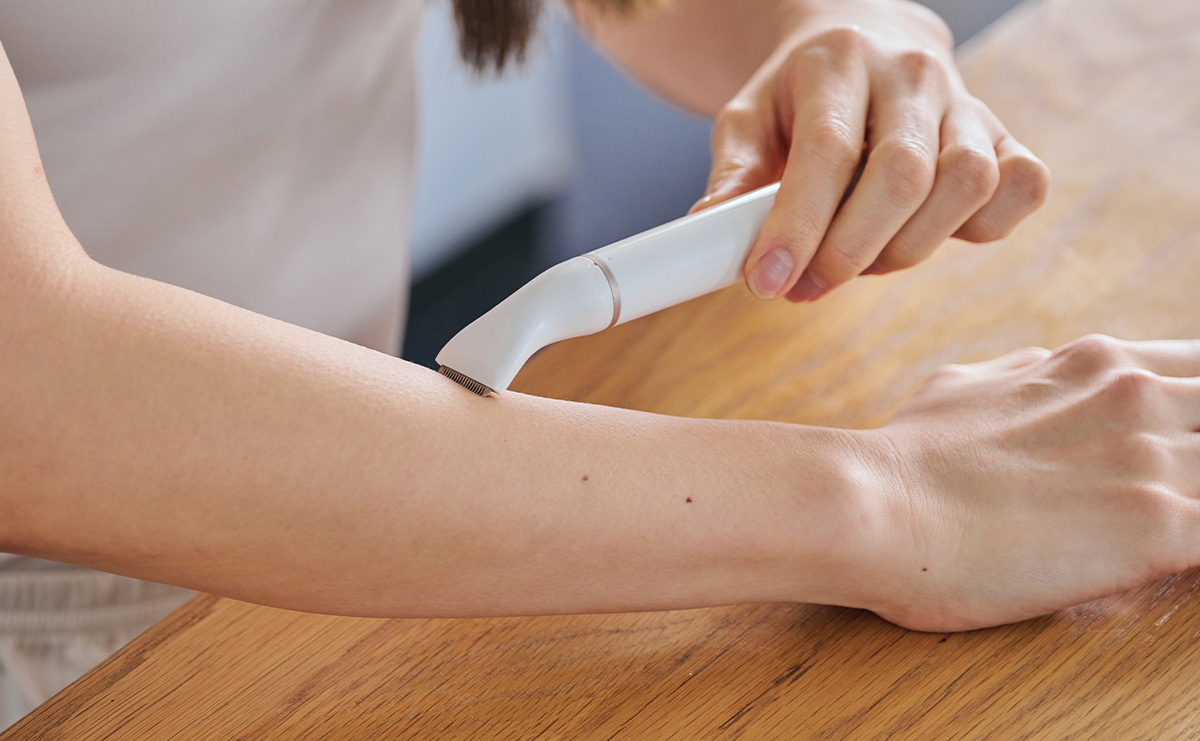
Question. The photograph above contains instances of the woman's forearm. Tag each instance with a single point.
(161, 434)
(154, 432)
(699, 53)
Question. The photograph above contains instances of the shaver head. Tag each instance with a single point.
(469, 384)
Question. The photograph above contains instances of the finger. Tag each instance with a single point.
(966, 179)
(1184, 396)
(898, 178)
(1158, 399)
(827, 135)
(1171, 358)
(1024, 183)
(747, 152)
(1099, 355)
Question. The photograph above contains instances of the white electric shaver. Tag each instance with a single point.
(670, 264)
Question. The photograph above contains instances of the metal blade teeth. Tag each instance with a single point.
(469, 384)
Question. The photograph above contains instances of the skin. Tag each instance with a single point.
(154, 432)
(1057, 476)
(856, 106)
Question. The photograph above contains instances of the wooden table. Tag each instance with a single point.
(1108, 92)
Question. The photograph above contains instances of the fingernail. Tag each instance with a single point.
(771, 273)
(875, 269)
(808, 288)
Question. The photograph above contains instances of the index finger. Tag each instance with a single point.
(827, 137)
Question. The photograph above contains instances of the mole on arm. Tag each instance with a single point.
(585, 477)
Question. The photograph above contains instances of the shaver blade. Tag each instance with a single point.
(466, 382)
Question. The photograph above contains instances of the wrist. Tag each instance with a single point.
(893, 18)
(841, 519)
(903, 563)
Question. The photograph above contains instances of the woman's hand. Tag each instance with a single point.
(1040, 480)
(882, 152)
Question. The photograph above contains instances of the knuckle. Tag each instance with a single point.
(841, 38)
(920, 65)
(1133, 388)
(908, 170)
(1028, 181)
(973, 172)
(833, 142)
(1093, 352)
(1094, 342)
(735, 116)
(837, 263)
(800, 226)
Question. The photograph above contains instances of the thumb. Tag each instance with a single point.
(746, 154)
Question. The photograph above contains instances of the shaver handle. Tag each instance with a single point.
(686, 258)
(676, 262)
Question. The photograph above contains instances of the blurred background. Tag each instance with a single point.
(558, 157)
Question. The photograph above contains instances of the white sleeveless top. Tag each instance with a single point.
(257, 151)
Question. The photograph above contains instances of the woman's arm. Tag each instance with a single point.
(161, 434)
(153, 432)
(699, 53)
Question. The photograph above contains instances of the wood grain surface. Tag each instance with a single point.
(1106, 92)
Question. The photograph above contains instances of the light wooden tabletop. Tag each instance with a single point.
(1106, 92)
